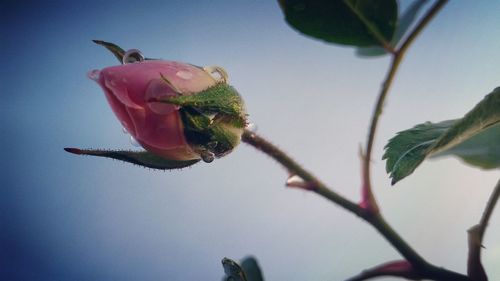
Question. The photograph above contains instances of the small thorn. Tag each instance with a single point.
(73, 150)
(361, 153)
(298, 182)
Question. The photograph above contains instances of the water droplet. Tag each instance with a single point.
(134, 142)
(131, 56)
(94, 74)
(218, 73)
(252, 127)
(183, 74)
(207, 156)
(296, 181)
(124, 130)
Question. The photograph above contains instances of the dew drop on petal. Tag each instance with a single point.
(131, 56)
(94, 74)
(207, 156)
(134, 142)
(218, 73)
(183, 74)
(124, 130)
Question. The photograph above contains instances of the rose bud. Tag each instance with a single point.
(178, 112)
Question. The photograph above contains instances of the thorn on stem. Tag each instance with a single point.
(298, 182)
(367, 202)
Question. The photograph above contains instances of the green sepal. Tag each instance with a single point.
(215, 134)
(115, 49)
(141, 158)
(220, 98)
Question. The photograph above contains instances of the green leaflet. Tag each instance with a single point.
(475, 138)
(141, 158)
(408, 149)
(249, 270)
(404, 22)
(347, 22)
(481, 150)
(486, 113)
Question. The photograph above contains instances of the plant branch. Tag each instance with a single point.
(294, 168)
(490, 206)
(475, 268)
(367, 209)
(396, 60)
(376, 220)
(400, 268)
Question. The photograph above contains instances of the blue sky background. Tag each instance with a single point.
(64, 217)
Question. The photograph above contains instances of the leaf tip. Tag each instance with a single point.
(73, 150)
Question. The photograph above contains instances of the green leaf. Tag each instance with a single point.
(141, 158)
(347, 22)
(408, 149)
(249, 270)
(482, 150)
(485, 114)
(404, 22)
(473, 137)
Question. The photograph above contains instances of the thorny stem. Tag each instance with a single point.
(425, 269)
(294, 168)
(376, 220)
(475, 268)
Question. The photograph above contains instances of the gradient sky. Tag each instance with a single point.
(64, 217)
